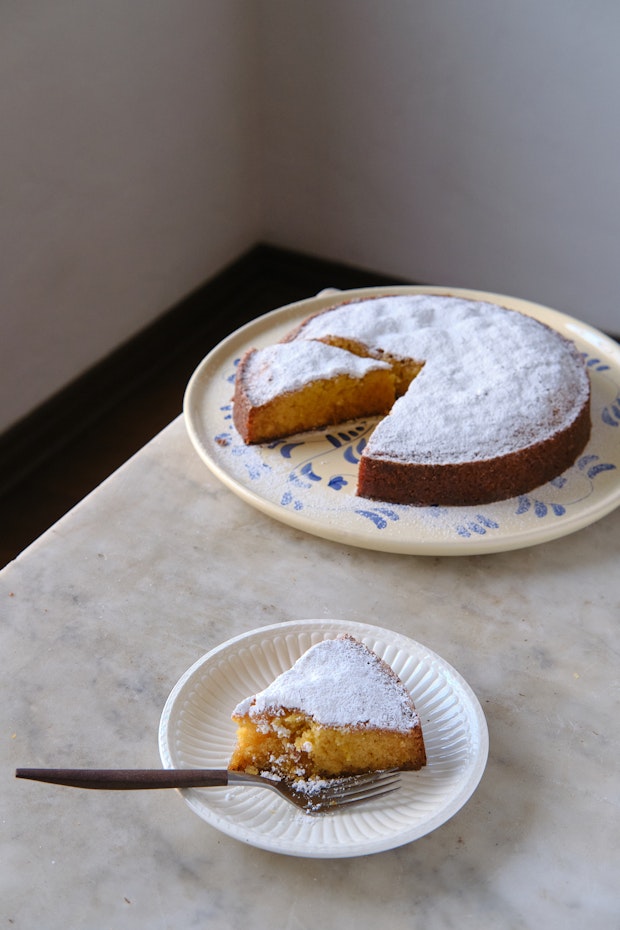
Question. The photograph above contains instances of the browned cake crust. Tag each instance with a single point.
(480, 482)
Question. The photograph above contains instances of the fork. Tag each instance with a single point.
(313, 797)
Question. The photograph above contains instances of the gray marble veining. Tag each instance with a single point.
(102, 615)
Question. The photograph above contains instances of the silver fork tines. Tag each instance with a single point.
(316, 796)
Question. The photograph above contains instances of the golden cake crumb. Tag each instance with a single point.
(340, 710)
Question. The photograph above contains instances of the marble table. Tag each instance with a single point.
(103, 614)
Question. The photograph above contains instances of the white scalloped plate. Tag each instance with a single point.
(196, 731)
(309, 481)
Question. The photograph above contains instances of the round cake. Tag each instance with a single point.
(490, 402)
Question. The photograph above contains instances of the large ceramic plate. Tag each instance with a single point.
(196, 731)
(309, 481)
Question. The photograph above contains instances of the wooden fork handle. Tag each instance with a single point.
(128, 779)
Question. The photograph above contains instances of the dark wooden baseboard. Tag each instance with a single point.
(264, 278)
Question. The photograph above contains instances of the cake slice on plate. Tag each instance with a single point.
(292, 387)
(340, 710)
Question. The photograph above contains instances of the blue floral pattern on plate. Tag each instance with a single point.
(309, 480)
(330, 458)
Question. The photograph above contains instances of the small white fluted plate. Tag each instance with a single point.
(196, 731)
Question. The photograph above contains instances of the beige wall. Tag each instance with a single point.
(473, 144)
(128, 173)
(144, 145)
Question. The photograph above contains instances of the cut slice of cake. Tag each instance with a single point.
(288, 388)
(340, 710)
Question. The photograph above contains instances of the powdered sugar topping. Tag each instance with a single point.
(339, 682)
(288, 366)
(494, 380)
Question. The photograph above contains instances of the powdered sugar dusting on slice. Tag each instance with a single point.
(285, 367)
(339, 682)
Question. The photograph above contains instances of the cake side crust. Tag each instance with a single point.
(477, 482)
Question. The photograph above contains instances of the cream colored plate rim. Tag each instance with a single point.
(196, 730)
(494, 528)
